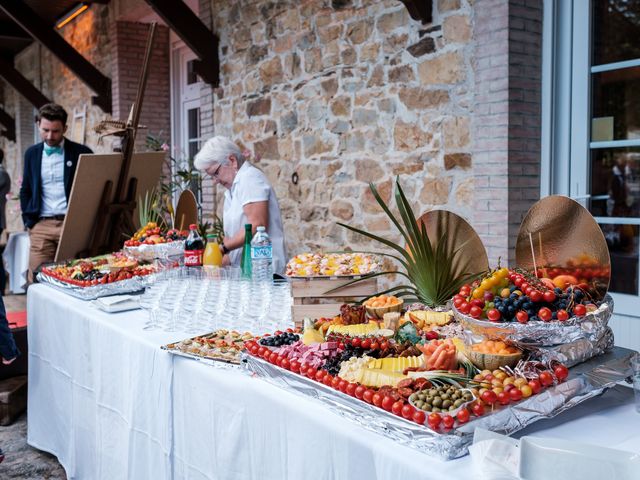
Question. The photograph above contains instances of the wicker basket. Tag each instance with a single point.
(378, 312)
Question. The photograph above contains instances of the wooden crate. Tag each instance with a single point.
(310, 297)
(13, 398)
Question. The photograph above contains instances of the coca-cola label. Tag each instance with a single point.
(260, 253)
(193, 258)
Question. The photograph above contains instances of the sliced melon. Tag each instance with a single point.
(374, 377)
(311, 336)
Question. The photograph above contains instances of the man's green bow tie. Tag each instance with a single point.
(51, 150)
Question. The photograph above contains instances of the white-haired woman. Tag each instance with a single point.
(249, 199)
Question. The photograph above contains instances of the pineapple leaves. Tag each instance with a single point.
(434, 264)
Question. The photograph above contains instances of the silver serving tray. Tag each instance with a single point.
(585, 381)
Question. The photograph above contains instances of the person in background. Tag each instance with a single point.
(5, 188)
(49, 168)
(8, 349)
(249, 198)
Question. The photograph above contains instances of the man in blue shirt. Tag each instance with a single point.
(49, 168)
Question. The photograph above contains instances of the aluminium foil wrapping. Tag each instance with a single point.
(157, 251)
(92, 292)
(585, 381)
(544, 334)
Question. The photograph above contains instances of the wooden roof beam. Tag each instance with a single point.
(48, 38)
(9, 125)
(202, 41)
(420, 9)
(18, 81)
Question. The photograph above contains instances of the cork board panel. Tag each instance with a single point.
(92, 173)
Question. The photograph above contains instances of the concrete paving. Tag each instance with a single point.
(22, 461)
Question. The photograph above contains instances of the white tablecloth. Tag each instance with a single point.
(111, 405)
(16, 261)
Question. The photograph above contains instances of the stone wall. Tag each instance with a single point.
(347, 95)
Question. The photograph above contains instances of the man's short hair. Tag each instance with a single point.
(52, 112)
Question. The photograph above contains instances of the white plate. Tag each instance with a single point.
(547, 458)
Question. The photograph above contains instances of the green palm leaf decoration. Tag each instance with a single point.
(435, 267)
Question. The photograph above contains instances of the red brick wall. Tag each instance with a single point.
(506, 121)
(129, 43)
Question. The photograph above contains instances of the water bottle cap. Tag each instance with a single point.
(211, 236)
(247, 226)
(193, 226)
(261, 228)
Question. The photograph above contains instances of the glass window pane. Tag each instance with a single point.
(193, 148)
(615, 182)
(623, 249)
(616, 105)
(616, 28)
(191, 74)
(193, 126)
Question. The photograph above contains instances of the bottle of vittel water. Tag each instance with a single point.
(261, 256)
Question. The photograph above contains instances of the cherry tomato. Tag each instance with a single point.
(295, 366)
(311, 373)
(407, 411)
(489, 397)
(387, 403)
(580, 310)
(522, 316)
(419, 417)
(515, 394)
(478, 409)
(524, 286)
(368, 395)
(562, 315)
(535, 386)
(463, 415)
(377, 399)
(545, 314)
(458, 297)
(320, 375)
(286, 364)
(359, 393)
(351, 389)
(518, 281)
(366, 343)
(335, 383)
(384, 345)
(431, 335)
(464, 308)
(561, 372)
(448, 421)
(254, 350)
(375, 345)
(342, 386)
(545, 378)
(493, 315)
(475, 311)
(476, 302)
(504, 398)
(549, 296)
(261, 351)
(396, 408)
(458, 301)
(273, 358)
(356, 342)
(328, 380)
(535, 296)
(434, 420)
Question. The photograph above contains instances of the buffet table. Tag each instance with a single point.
(111, 405)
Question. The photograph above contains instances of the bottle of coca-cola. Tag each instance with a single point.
(193, 248)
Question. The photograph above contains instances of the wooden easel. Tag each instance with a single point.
(115, 218)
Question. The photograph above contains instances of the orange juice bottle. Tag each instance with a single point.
(212, 255)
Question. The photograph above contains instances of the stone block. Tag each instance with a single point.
(425, 46)
(401, 74)
(330, 86)
(360, 31)
(288, 122)
(419, 98)
(435, 191)
(368, 171)
(456, 132)
(341, 106)
(447, 68)
(408, 137)
(390, 21)
(342, 210)
(271, 71)
(363, 117)
(457, 160)
(456, 29)
(261, 106)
